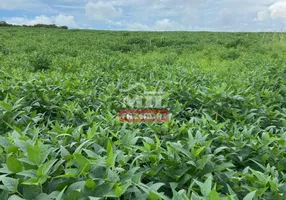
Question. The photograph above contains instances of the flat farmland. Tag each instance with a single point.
(61, 137)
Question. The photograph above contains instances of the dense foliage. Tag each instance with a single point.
(60, 94)
(5, 24)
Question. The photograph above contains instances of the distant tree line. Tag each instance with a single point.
(5, 24)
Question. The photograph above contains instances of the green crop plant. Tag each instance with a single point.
(61, 138)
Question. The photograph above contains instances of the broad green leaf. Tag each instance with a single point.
(59, 197)
(32, 181)
(15, 197)
(79, 186)
(206, 187)
(198, 151)
(5, 106)
(213, 195)
(73, 195)
(110, 161)
(4, 194)
(10, 183)
(120, 189)
(45, 168)
(43, 196)
(12, 149)
(85, 143)
(83, 163)
(14, 164)
(224, 166)
(34, 154)
(154, 196)
(31, 191)
(93, 198)
(250, 196)
(4, 142)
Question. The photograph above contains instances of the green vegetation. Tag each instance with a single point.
(60, 94)
(5, 24)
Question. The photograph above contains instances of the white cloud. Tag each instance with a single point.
(159, 25)
(138, 27)
(69, 7)
(164, 24)
(63, 20)
(102, 11)
(60, 20)
(262, 15)
(278, 9)
(37, 20)
(275, 11)
(168, 25)
(163, 15)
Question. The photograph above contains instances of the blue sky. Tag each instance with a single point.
(155, 15)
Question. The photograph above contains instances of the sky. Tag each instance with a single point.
(150, 15)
